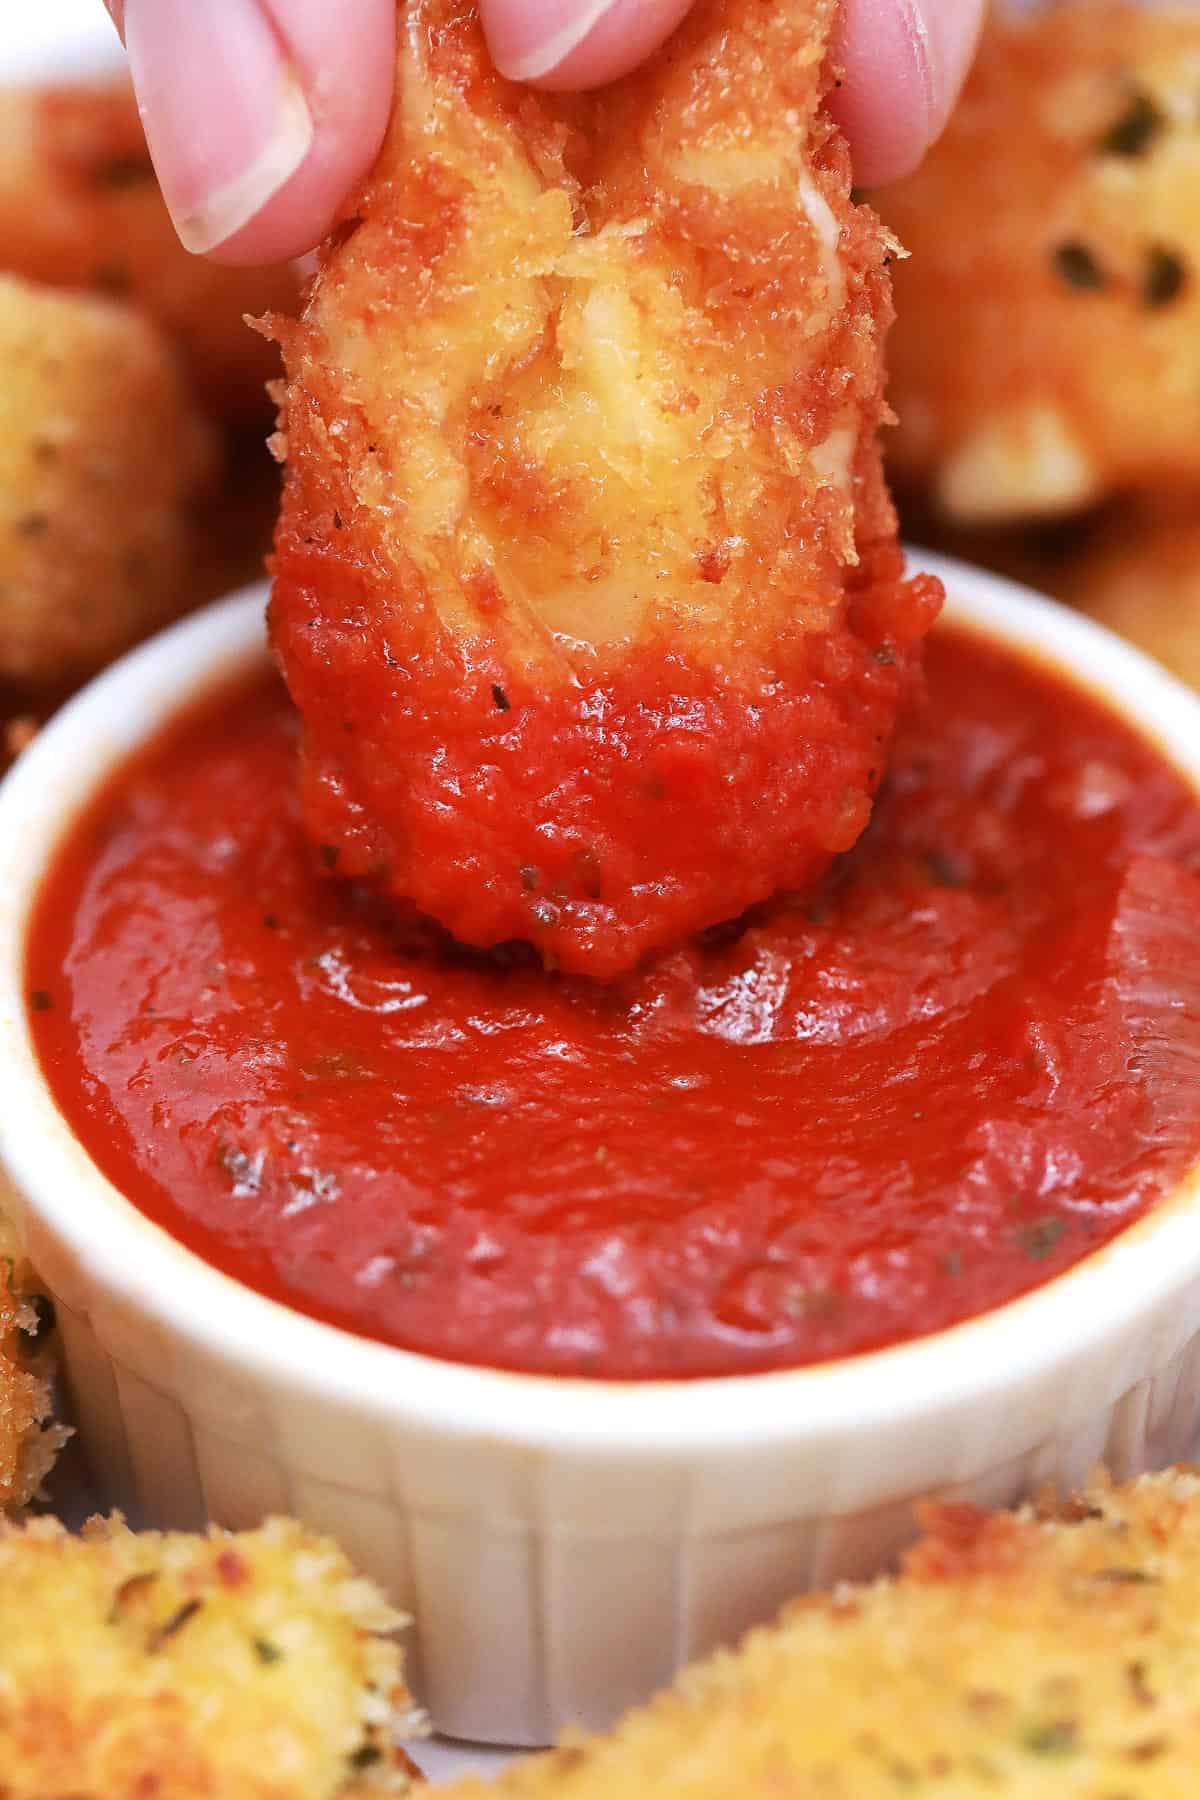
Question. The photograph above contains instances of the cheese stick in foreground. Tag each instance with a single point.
(586, 582)
(255, 1666)
(1051, 1658)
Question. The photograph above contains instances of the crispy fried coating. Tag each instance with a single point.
(1047, 347)
(586, 579)
(80, 208)
(29, 1441)
(256, 1666)
(101, 451)
(1054, 1659)
(1141, 578)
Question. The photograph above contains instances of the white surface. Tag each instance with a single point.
(57, 38)
(564, 1544)
(441, 1760)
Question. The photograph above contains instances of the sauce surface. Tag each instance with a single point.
(964, 1063)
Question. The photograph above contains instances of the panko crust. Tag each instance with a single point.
(586, 581)
(80, 208)
(101, 454)
(1047, 348)
(1054, 1656)
(29, 1441)
(255, 1665)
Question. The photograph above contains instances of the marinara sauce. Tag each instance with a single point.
(964, 1063)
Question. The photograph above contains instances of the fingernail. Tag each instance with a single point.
(949, 30)
(530, 41)
(225, 113)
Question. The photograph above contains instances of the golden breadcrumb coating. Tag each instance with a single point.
(255, 1666)
(29, 1440)
(1047, 347)
(587, 583)
(1053, 1658)
(101, 452)
(80, 208)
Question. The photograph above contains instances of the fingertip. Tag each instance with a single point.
(262, 115)
(903, 65)
(564, 45)
(346, 61)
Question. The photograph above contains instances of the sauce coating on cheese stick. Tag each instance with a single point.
(587, 583)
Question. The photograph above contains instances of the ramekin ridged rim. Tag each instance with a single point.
(1138, 1272)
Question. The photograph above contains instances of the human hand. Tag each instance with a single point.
(263, 114)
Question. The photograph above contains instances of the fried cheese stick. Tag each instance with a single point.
(101, 452)
(1047, 347)
(586, 581)
(1051, 1658)
(253, 1667)
(80, 208)
(29, 1442)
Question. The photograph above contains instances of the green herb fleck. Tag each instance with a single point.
(172, 1625)
(1076, 265)
(335, 1065)
(329, 855)
(500, 697)
(1057, 1737)
(1165, 278)
(884, 655)
(34, 524)
(1039, 1239)
(1126, 1577)
(271, 921)
(1136, 129)
(530, 876)
(41, 1001)
(267, 1652)
(366, 1756)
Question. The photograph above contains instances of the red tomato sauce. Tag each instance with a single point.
(965, 1062)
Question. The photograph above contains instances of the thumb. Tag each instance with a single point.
(260, 114)
(904, 63)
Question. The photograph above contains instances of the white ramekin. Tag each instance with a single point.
(563, 1545)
